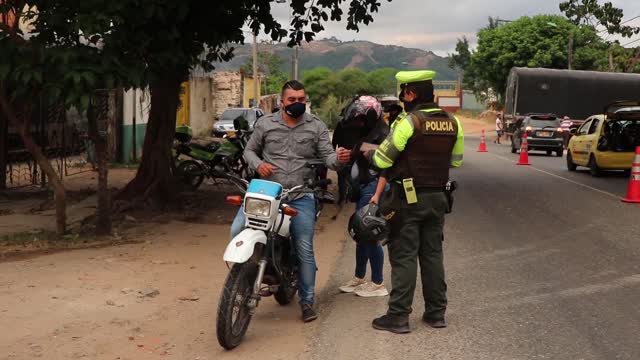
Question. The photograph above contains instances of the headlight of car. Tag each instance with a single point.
(257, 207)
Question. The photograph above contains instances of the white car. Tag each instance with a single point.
(224, 123)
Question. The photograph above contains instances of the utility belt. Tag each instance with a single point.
(406, 193)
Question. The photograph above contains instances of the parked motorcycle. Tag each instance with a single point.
(263, 254)
(215, 160)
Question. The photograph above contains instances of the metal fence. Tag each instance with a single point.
(62, 136)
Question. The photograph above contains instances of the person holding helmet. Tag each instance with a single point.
(416, 156)
(364, 115)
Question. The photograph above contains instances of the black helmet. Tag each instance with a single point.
(368, 226)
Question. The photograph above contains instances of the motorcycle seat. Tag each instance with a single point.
(210, 147)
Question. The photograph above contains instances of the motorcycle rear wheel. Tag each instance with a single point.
(191, 173)
(234, 314)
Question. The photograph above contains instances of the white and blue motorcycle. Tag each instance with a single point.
(263, 254)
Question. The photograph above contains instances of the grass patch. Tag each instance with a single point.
(29, 238)
(118, 165)
(470, 113)
(35, 237)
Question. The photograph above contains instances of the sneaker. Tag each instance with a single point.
(392, 323)
(371, 289)
(435, 323)
(308, 314)
(352, 285)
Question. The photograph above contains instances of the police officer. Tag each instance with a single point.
(423, 144)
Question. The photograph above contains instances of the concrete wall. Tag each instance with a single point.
(227, 91)
(248, 98)
(201, 105)
(210, 94)
(182, 115)
(469, 102)
(135, 105)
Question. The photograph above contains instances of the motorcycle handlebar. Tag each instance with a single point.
(310, 186)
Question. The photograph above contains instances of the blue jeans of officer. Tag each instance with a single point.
(302, 231)
(372, 253)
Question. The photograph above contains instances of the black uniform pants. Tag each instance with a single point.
(417, 236)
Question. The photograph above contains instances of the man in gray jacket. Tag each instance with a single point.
(281, 145)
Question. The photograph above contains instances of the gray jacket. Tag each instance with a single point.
(289, 149)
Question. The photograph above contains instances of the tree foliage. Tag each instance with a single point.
(543, 41)
(321, 82)
(79, 45)
(539, 41)
(270, 65)
(330, 91)
(461, 58)
(329, 111)
(592, 14)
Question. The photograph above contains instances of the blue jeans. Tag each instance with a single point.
(372, 253)
(302, 231)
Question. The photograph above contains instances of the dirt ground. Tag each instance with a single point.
(473, 126)
(152, 298)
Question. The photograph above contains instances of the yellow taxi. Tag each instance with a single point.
(608, 141)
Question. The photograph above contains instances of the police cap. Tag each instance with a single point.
(407, 77)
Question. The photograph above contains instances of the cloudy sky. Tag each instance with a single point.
(435, 25)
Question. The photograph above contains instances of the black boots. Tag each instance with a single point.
(392, 323)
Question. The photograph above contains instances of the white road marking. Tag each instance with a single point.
(561, 177)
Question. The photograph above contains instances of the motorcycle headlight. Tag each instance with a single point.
(257, 207)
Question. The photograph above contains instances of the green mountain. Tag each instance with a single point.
(337, 55)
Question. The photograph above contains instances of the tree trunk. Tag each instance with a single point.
(99, 115)
(152, 184)
(103, 225)
(4, 139)
(23, 128)
(634, 61)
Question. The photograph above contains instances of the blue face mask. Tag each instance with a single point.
(295, 110)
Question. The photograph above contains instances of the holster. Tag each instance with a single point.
(448, 191)
(391, 202)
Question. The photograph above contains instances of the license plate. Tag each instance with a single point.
(544, 133)
(231, 133)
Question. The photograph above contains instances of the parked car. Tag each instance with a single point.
(543, 133)
(606, 141)
(224, 124)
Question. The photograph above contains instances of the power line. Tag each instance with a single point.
(622, 23)
(633, 18)
(629, 43)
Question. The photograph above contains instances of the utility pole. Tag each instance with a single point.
(294, 64)
(256, 101)
(611, 68)
(570, 56)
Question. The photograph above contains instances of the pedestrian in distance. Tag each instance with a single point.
(499, 130)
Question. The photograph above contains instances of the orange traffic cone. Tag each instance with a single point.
(524, 151)
(483, 144)
(633, 193)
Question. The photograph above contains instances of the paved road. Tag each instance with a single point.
(541, 264)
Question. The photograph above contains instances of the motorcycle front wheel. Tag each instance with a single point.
(287, 290)
(191, 173)
(234, 314)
